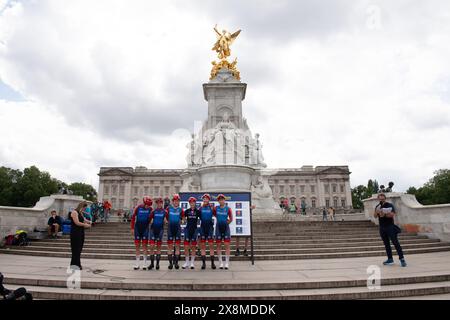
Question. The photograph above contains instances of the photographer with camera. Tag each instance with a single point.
(10, 295)
(385, 213)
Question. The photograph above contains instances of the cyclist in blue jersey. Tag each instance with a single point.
(224, 217)
(156, 232)
(174, 215)
(140, 222)
(191, 215)
(207, 230)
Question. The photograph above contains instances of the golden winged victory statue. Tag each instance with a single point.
(222, 47)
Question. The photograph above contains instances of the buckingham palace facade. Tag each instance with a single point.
(315, 187)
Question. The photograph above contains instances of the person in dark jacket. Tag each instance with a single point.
(54, 224)
(385, 213)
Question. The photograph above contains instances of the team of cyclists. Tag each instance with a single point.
(147, 228)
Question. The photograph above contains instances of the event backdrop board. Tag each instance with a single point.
(239, 203)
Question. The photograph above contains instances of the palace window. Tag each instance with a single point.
(113, 203)
(166, 191)
(106, 190)
(327, 189)
(121, 190)
(302, 189)
(313, 188)
(342, 188)
(157, 191)
(292, 189)
(146, 190)
(327, 203)
(114, 190)
(334, 188)
(281, 189)
(335, 202)
(343, 203)
(313, 202)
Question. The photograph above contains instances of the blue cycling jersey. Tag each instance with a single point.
(175, 215)
(158, 217)
(222, 214)
(206, 213)
(143, 215)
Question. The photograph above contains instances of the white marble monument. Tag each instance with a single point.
(224, 156)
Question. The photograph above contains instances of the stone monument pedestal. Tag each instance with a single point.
(224, 156)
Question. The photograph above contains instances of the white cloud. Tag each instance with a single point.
(121, 77)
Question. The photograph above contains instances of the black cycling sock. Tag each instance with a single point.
(152, 258)
(204, 260)
(170, 259)
(175, 259)
(158, 258)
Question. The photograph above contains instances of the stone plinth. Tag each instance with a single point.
(15, 218)
(432, 221)
(226, 178)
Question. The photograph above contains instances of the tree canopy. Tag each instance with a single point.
(24, 188)
(435, 191)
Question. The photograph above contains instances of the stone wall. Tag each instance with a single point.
(432, 221)
(15, 218)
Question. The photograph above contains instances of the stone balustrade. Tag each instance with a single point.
(432, 221)
(16, 218)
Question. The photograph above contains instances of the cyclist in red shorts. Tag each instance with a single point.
(156, 232)
(140, 222)
(192, 215)
(207, 230)
(174, 215)
(224, 217)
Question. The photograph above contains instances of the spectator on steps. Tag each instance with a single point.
(331, 213)
(324, 214)
(238, 252)
(54, 224)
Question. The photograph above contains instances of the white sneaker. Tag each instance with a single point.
(136, 266)
(145, 266)
(192, 265)
(185, 265)
(221, 265)
(226, 266)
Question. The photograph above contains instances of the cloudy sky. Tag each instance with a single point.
(85, 84)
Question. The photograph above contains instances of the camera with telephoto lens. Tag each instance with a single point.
(10, 295)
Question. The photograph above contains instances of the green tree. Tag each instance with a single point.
(372, 187)
(85, 190)
(358, 194)
(435, 191)
(8, 186)
(33, 185)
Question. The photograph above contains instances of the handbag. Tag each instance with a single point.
(397, 229)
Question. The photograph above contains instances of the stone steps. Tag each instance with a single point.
(231, 285)
(275, 240)
(257, 251)
(259, 245)
(327, 235)
(359, 252)
(339, 293)
(301, 240)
